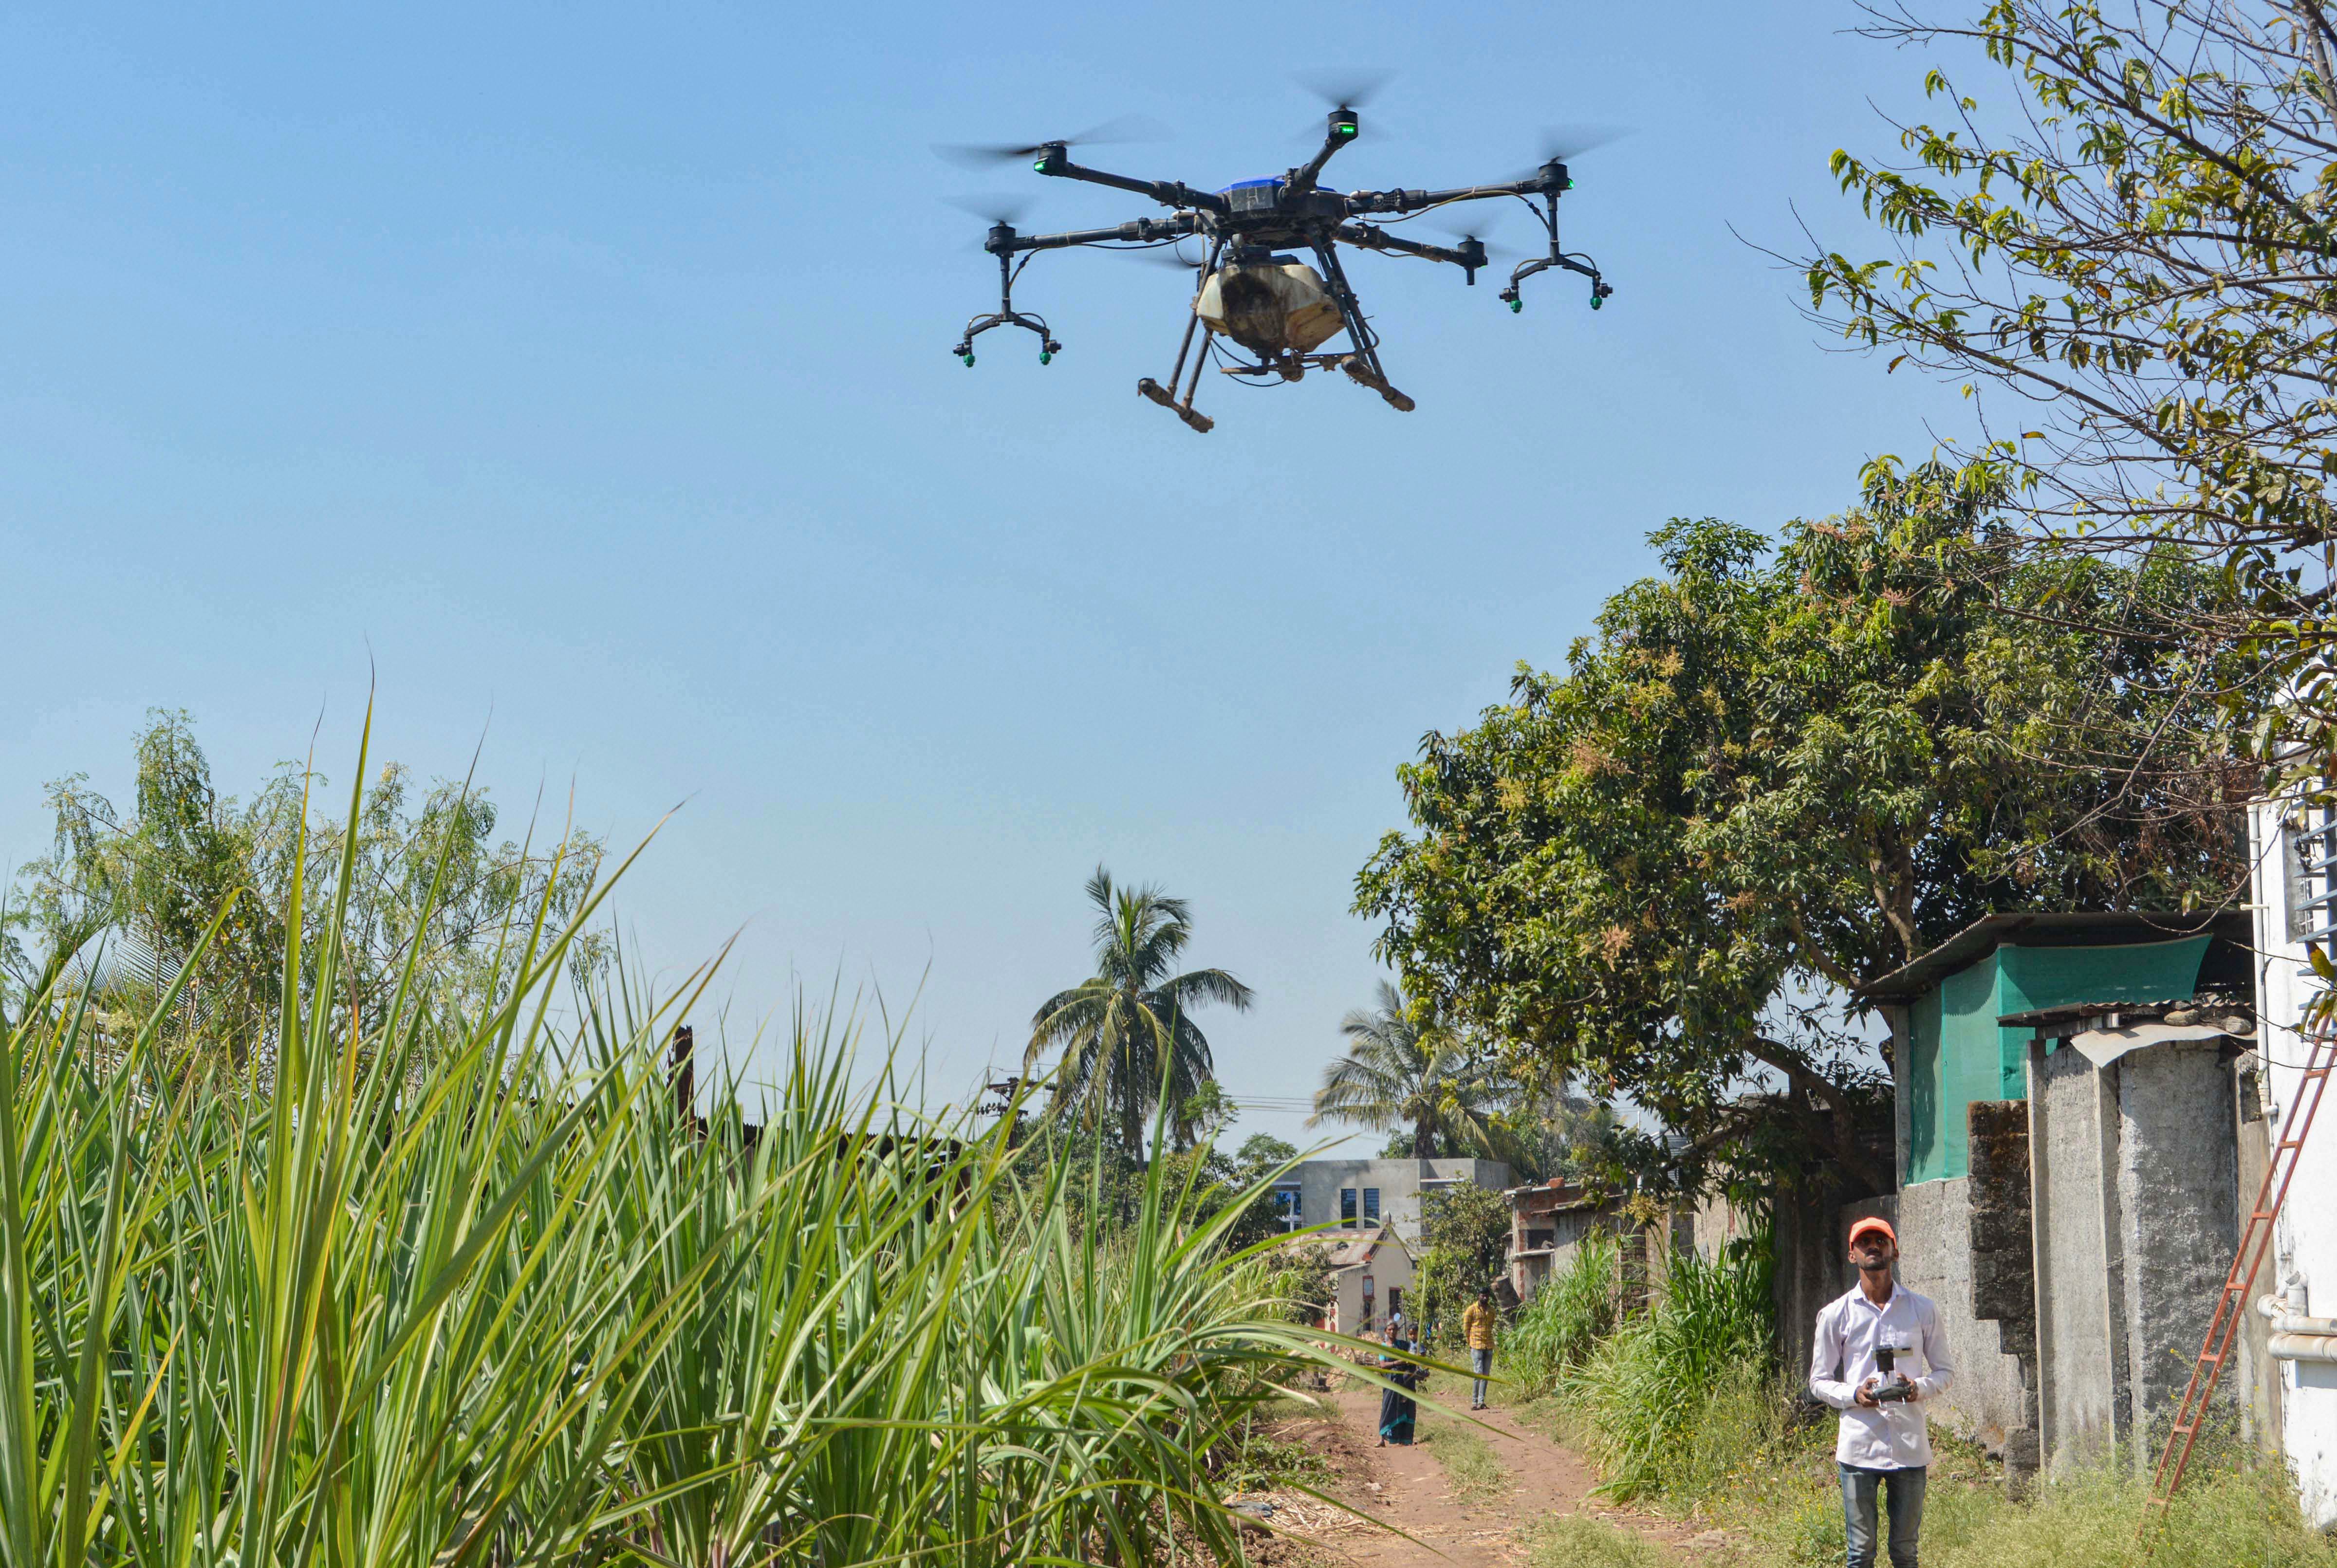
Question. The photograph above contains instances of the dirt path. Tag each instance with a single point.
(1481, 1526)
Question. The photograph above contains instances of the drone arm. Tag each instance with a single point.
(1142, 230)
(1547, 180)
(1168, 192)
(1363, 236)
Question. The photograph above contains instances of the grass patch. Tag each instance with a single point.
(1579, 1541)
(1477, 1474)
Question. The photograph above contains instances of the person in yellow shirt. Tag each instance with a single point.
(1477, 1327)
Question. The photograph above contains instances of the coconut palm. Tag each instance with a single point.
(1405, 1073)
(1127, 1034)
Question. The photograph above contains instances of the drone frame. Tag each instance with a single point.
(1252, 220)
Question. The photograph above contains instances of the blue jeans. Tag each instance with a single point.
(1905, 1487)
(1481, 1363)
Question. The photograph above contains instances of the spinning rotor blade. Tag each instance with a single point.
(995, 206)
(1565, 143)
(1473, 219)
(1127, 128)
(1477, 226)
(1172, 257)
(1343, 86)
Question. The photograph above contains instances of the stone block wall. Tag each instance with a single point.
(2003, 1265)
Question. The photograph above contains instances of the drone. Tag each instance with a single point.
(1257, 289)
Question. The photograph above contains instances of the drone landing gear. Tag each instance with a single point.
(1167, 396)
(1201, 423)
(1363, 367)
(1364, 374)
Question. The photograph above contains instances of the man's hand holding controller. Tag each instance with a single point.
(1889, 1385)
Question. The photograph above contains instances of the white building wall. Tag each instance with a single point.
(2306, 1238)
(1399, 1182)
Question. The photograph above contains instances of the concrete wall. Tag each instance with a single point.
(2080, 1268)
(1400, 1184)
(2178, 1186)
(1935, 1260)
(2136, 1170)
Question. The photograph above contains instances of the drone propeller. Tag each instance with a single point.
(1343, 91)
(1345, 87)
(995, 206)
(1565, 143)
(1127, 128)
(1479, 227)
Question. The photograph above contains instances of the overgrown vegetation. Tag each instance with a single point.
(1574, 1310)
(1643, 1399)
(468, 1289)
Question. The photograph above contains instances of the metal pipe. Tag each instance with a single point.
(2284, 1321)
(2303, 1346)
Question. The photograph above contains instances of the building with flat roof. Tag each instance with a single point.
(1362, 1195)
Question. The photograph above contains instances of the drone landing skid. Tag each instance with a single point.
(1201, 423)
(1364, 374)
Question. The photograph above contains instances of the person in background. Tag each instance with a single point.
(1398, 1410)
(1882, 1441)
(1477, 1321)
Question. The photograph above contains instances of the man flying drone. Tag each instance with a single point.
(1256, 289)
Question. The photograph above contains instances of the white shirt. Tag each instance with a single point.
(1895, 1436)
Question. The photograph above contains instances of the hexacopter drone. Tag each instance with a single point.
(1251, 291)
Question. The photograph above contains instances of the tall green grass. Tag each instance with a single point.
(1645, 1398)
(1568, 1317)
(468, 1289)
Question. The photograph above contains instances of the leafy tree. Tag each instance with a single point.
(2124, 218)
(1776, 773)
(1464, 1230)
(1407, 1075)
(1262, 1152)
(1127, 1034)
(124, 899)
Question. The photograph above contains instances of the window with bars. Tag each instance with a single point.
(2310, 846)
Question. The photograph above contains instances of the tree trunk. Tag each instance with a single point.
(1837, 1132)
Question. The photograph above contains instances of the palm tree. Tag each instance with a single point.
(1399, 1073)
(1127, 1034)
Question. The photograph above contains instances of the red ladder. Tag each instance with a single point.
(2256, 1240)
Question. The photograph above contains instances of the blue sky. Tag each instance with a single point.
(582, 373)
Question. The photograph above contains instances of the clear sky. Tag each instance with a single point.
(583, 370)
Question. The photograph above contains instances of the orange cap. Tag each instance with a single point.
(1865, 1225)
